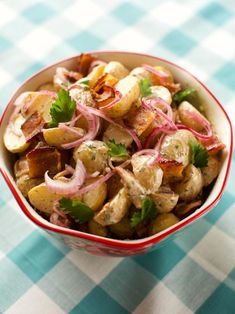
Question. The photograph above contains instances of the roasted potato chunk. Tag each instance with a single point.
(116, 69)
(135, 191)
(42, 199)
(93, 154)
(122, 229)
(149, 176)
(165, 199)
(120, 136)
(115, 210)
(192, 184)
(211, 171)
(162, 222)
(57, 137)
(14, 138)
(130, 90)
(96, 197)
(187, 120)
(97, 229)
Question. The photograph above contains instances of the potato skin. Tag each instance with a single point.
(130, 90)
(57, 137)
(25, 183)
(117, 134)
(187, 120)
(95, 228)
(149, 177)
(192, 184)
(42, 199)
(162, 222)
(115, 210)
(116, 69)
(96, 197)
(122, 229)
(210, 172)
(14, 138)
(93, 154)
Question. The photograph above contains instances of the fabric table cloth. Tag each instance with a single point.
(193, 273)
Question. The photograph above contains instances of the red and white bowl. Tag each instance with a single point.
(105, 246)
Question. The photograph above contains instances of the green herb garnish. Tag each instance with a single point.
(145, 87)
(117, 150)
(62, 109)
(79, 211)
(199, 155)
(84, 81)
(148, 211)
(184, 95)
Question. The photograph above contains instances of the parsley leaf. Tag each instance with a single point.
(84, 81)
(62, 109)
(77, 210)
(117, 150)
(199, 155)
(183, 95)
(148, 211)
(145, 89)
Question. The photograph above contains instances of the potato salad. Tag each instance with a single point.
(113, 151)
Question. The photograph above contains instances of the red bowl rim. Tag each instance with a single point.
(135, 244)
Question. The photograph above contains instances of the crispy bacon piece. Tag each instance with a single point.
(139, 119)
(173, 170)
(41, 159)
(213, 145)
(84, 62)
(103, 91)
(33, 125)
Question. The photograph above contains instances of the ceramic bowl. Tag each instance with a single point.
(105, 246)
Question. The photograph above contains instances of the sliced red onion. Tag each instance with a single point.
(93, 185)
(150, 103)
(93, 127)
(57, 214)
(93, 175)
(118, 97)
(67, 188)
(145, 152)
(157, 157)
(200, 120)
(102, 115)
(151, 136)
(162, 76)
(69, 129)
(48, 92)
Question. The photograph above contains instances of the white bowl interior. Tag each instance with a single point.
(212, 109)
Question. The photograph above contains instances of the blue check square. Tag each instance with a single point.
(35, 256)
(99, 302)
(128, 13)
(215, 13)
(178, 42)
(38, 13)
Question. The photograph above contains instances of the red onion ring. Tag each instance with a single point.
(157, 157)
(65, 127)
(93, 127)
(67, 188)
(93, 185)
(118, 97)
(162, 76)
(102, 115)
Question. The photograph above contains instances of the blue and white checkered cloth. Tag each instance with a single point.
(195, 272)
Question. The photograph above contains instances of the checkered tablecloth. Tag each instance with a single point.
(195, 272)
